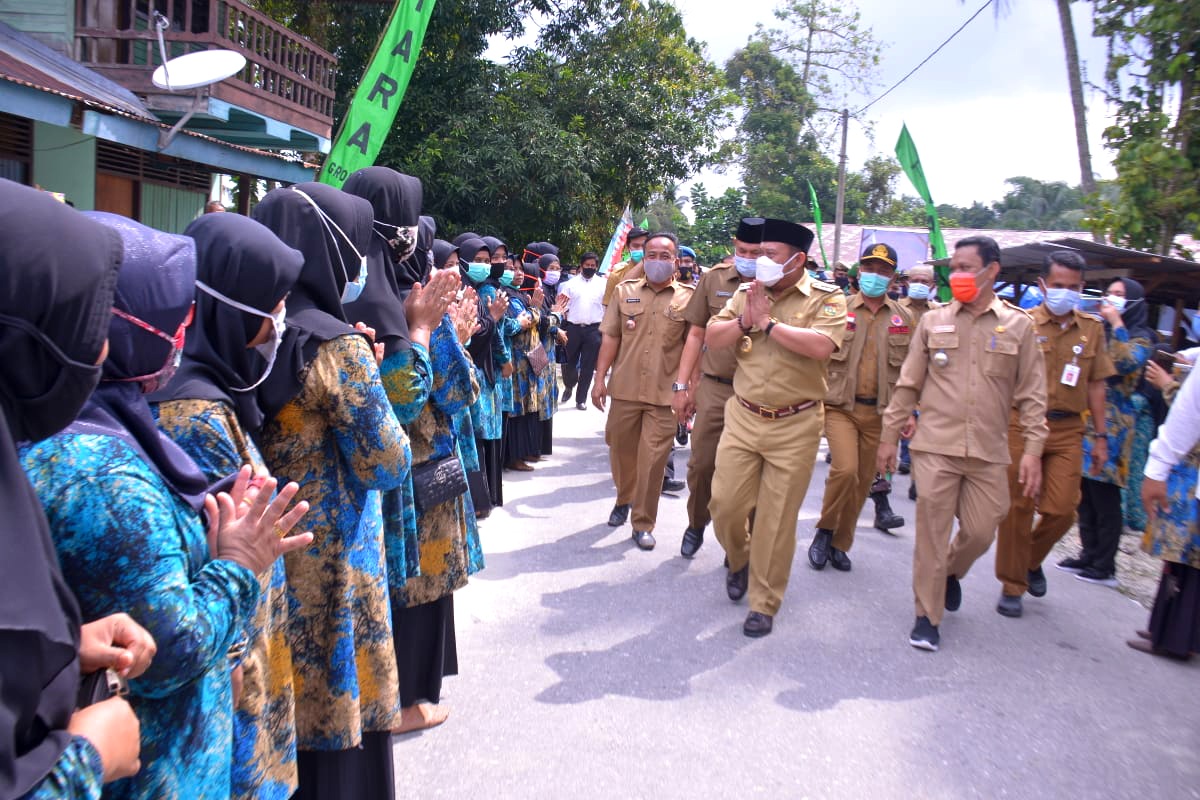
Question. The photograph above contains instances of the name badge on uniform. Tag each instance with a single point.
(724, 294)
(1070, 376)
(943, 329)
(633, 299)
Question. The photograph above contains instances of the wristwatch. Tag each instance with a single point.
(679, 387)
(767, 330)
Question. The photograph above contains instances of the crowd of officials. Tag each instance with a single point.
(177, 407)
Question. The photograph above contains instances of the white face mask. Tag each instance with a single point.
(268, 349)
(768, 272)
(352, 289)
(1116, 301)
(552, 277)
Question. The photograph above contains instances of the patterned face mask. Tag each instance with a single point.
(158, 379)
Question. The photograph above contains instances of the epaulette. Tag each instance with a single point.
(691, 287)
(825, 286)
(1017, 308)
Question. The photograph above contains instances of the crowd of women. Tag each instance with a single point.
(174, 406)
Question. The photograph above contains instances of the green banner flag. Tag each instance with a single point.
(906, 154)
(377, 99)
(816, 210)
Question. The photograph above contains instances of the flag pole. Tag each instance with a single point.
(841, 195)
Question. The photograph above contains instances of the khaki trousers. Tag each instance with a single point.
(853, 438)
(638, 436)
(1020, 546)
(969, 489)
(711, 397)
(764, 465)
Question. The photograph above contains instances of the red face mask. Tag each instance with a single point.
(963, 286)
(156, 380)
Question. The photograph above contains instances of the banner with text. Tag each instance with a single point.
(377, 99)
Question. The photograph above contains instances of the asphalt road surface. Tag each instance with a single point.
(592, 669)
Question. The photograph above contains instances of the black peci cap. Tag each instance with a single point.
(750, 230)
(778, 230)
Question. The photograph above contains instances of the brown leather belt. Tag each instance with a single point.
(766, 412)
(718, 379)
(1057, 415)
(867, 401)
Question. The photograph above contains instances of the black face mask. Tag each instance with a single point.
(685, 275)
(588, 272)
(895, 294)
(841, 280)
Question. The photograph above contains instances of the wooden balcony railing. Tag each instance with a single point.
(286, 77)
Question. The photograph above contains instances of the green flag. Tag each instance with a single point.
(906, 154)
(816, 210)
(377, 99)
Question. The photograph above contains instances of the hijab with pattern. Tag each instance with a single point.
(157, 285)
(244, 261)
(58, 270)
(314, 307)
(395, 200)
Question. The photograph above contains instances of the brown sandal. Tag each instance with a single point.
(420, 717)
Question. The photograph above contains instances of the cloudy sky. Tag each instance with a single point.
(991, 105)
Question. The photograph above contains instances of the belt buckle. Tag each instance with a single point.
(769, 413)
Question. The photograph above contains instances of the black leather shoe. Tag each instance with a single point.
(1009, 606)
(692, 540)
(1036, 578)
(839, 560)
(904, 468)
(619, 515)
(818, 551)
(912, 491)
(644, 539)
(681, 434)
(953, 593)
(736, 583)
(670, 485)
(757, 624)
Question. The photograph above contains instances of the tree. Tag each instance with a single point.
(716, 222)
(1038, 205)
(1154, 53)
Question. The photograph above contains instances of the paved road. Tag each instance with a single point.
(592, 669)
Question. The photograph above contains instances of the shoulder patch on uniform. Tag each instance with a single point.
(825, 286)
(831, 310)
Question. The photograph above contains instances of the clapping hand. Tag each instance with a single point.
(426, 304)
(255, 534)
(561, 304)
(498, 306)
(538, 297)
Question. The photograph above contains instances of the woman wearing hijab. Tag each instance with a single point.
(490, 355)
(552, 335)
(1130, 345)
(329, 424)
(449, 550)
(124, 505)
(209, 409)
(57, 275)
(523, 439)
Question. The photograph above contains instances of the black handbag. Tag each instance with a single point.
(98, 686)
(437, 482)
(538, 359)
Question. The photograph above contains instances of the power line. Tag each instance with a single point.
(926, 59)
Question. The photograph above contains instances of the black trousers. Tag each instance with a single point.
(583, 346)
(1100, 524)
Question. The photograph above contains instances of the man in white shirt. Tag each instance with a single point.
(585, 309)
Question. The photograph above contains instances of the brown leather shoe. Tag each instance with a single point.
(758, 624)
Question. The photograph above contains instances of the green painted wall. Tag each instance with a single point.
(49, 21)
(169, 208)
(64, 160)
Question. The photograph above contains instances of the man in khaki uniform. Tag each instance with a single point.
(862, 373)
(705, 380)
(922, 296)
(783, 326)
(1077, 364)
(644, 330)
(631, 267)
(971, 362)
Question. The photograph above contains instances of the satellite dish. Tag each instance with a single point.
(195, 70)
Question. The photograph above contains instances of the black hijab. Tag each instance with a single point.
(462, 237)
(442, 250)
(416, 268)
(1136, 316)
(395, 199)
(158, 286)
(244, 261)
(58, 270)
(315, 313)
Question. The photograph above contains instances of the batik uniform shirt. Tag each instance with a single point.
(502, 354)
(127, 543)
(526, 398)
(1175, 534)
(264, 722)
(408, 380)
(77, 775)
(1129, 356)
(548, 382)
(449, 548)
(340, 440)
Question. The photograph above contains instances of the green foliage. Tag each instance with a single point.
(717, 218)
(1154, 53)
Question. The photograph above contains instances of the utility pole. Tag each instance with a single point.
(841, 195)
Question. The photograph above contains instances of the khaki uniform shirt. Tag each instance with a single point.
(868, 362)
(967, 372)
(651, 329)
(770, 374)
(614, 278)
(1058, 344)
(715, 289)
(917, 308)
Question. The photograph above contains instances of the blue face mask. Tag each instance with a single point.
(478, 273)
(353, 288)
(635, 256)
(1089, 305)
(1062, 301)
(873, 285)
(746, 267)
(919, 291)
(509, 279)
